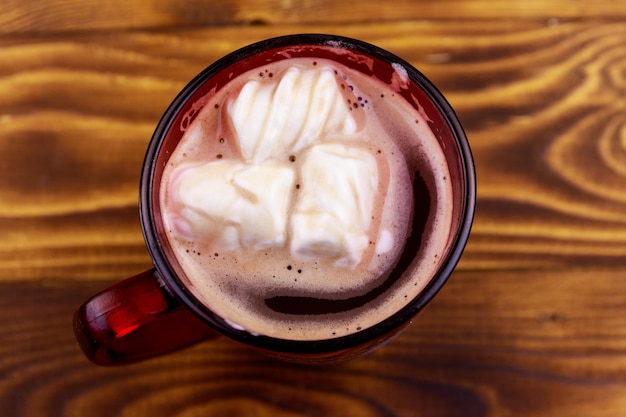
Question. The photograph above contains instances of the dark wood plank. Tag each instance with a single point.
(57, 15)
(491, 344)
(543, 107)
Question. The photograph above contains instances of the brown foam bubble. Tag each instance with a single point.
(268, 292)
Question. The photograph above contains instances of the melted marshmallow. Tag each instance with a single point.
(333, 211)
(234, 204)
(246, 202)
(271, 119)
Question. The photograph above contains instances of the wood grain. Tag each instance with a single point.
(543, 106)
(491, 344)
(58, 15)
(533, 321)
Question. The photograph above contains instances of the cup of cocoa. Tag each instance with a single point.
(306, 195)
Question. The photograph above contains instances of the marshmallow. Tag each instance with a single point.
(284, 116)
(247, 203)
(332, 213)
(233, 203)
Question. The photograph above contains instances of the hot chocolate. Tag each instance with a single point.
(291, 197)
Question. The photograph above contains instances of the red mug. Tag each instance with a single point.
(154, 312)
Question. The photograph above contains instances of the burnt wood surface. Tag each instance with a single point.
(533, 321)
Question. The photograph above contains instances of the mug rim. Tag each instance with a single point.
(377, 332)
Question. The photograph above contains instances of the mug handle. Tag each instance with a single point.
(136, 319)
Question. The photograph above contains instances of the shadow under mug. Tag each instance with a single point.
(155, 313)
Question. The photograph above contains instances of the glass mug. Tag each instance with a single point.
(155, 312)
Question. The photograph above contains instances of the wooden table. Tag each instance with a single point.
(533, 321)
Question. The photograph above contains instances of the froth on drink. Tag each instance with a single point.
(289, 199)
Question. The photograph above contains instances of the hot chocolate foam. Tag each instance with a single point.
(300, 209)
